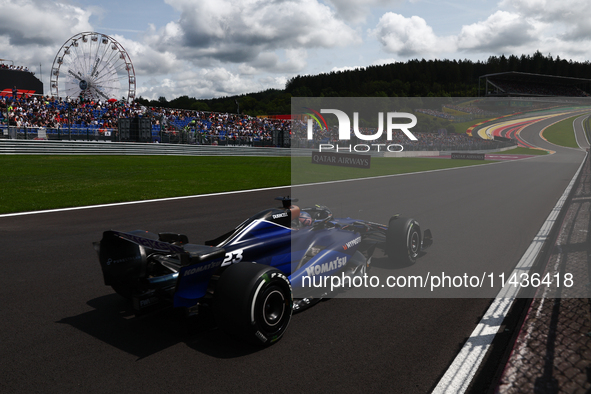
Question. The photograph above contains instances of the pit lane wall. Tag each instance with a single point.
(100, 147)
(40, 147)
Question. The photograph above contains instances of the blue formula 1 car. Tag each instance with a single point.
(255, 276)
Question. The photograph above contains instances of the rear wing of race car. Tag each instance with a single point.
(129, 258)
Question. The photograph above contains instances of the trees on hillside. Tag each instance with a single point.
(414, 78)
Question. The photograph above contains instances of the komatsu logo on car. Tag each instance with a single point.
(202, 268)
(326, 267)
(354, 242)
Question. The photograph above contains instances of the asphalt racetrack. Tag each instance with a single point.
(64, 331)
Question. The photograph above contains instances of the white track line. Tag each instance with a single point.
(460, 373)
(581, 119)
(136, 202)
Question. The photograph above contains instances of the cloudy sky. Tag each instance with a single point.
(212, 48)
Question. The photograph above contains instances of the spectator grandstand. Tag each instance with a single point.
(19, 77)
(45, 111)
(533, 85)
(439, 114)
(470, 109)
(79, 119)
(214, 124)
(437, 140)
(95, 117)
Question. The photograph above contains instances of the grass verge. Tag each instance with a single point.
(304, 171)
(31, 183)
(562, 133)
(462, 127)
(37, 182)
(525, 151)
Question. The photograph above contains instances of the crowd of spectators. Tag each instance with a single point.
(15, 68)
(436, 140)
(467, 110)
(49, 112)
(438, 114)
(54, 113)
(472, 110)
(445, 141)
(237, 126)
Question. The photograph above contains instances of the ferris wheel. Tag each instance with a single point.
(92, 65)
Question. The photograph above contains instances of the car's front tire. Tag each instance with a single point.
(253, 302)
(403, 240)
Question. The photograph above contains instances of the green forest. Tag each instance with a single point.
(414, 78)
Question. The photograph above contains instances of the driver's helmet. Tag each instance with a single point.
(294, 211)
(305, 219)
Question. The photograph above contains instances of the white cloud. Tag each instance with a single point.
(381, 62)
(409, 37)
(235, 45)
(208, 83)
(569, 19)
(238, 31)
(148, 61)
(564, 10)
(357, 11)
(502, 31)
(30, 22)
(31, 31)
(345, 68)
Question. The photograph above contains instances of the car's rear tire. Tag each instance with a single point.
(123, 289)
(403, 240)
(253, 302)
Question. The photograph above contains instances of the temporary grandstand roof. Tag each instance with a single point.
(529, 78)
